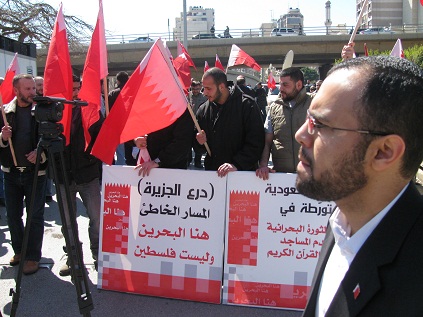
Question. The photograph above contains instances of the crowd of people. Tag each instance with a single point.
(356, 141)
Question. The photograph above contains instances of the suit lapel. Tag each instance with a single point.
(379, 249)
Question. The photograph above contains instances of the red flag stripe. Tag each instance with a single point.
(218, 64)
(206, 66)
(152, 99)
(58, 70)
(271, 83)
(6, 89)
(239, 57)
(95, 69)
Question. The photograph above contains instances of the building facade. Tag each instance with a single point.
(391, 13)
(293, 19)
(199, 21)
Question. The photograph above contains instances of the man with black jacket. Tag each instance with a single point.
(231, 124)
(168, 147)
(83, 174)
(21, 131)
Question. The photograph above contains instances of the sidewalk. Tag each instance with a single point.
(45, 293)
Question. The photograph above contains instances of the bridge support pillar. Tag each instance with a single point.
(323, 70)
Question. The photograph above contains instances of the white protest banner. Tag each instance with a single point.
(162, 235)
(272, 242)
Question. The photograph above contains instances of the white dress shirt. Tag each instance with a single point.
(343, 253)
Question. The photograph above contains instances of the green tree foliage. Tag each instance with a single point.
(413, 54)
(310, 74)
(26, 20)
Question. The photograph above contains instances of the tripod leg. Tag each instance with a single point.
(70, 232)
(15, 293)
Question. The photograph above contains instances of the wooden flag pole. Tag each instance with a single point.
(106, 95)
(197, 126)
(10, 139)
(360, 17)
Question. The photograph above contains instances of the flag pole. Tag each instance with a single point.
(5, 123)
(197, 126)
(360, 17)
(106, 94)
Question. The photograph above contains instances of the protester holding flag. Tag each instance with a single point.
(123, 151)
(196, 99)
(18, 180)
(348, 51)
(231, 125)
(152, 99)
(285, 116)
(168, 147)
(83, 173)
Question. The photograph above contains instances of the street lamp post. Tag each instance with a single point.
(185, 24)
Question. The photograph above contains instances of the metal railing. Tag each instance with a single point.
(257, 32)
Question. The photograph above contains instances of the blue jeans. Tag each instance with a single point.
(17, 187)
(91, 198)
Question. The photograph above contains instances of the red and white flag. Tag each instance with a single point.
(6, 89)
(152, 99)
(239, 57)
(218, 64)
(206, 66)
(271, 82)
(58, 71)
(397, 50)
(181, 64)
(95, 69)
(181, 49)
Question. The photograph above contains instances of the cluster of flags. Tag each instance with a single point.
(217, 64)
(153, 98)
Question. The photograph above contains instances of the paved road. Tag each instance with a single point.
(48, 294)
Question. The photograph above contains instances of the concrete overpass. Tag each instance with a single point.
(315, 50)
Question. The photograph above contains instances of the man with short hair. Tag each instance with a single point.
(361, 147)
(232, 126)
(22, 130)
(123, 151)
(83, 175)
(39, 85)
(283, 119)
(39, 89)
(242, 83)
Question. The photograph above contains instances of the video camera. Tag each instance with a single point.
(48, 111)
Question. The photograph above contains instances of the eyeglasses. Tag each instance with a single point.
(313, 124)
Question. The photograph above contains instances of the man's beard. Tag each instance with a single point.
(291, 96)
(343, 179)
(27, 100)
(217, 96)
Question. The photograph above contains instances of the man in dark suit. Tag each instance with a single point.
(361, 147)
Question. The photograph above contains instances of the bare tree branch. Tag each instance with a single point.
(24, 20)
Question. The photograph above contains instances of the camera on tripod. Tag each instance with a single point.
(49, 111)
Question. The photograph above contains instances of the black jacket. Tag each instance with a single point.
(81, 166)
(385, 277)
(6, 158)
(236, 136)
(172, 144)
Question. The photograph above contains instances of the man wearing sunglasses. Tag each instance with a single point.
(360, 147)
